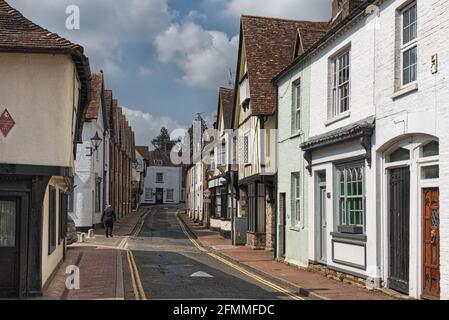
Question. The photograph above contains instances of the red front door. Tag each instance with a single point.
(431, 238)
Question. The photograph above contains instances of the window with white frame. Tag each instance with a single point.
(296, 198)
(159, 177)
(212, 160)
(341, 90)
(351, 189)
(409, 49)
(246, 149)
(170, 195)
(222, 153)
(296, 106)
(148, 193)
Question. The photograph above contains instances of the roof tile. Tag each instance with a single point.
(269, 44)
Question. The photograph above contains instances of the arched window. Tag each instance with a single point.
(400, 154)
(431, 149)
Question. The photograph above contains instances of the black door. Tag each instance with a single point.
(224, 204)
(9, 246)
(282, 222)
(159, 196)
(399, 229)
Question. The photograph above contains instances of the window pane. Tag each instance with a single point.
(410, 65)
(431, 172)
(352, 194)
(7, 224)
(431, 149)
(400, 154)
(409, 24)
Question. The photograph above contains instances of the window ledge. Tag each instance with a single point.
(338, 118)
(405, 91)
(296, 135)
(348, 236)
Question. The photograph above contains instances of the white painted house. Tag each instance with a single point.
(91, 192)
(376, 143)
(163, 182)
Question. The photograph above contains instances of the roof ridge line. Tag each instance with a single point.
(279, 19)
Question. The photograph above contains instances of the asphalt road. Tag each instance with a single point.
(171, 267)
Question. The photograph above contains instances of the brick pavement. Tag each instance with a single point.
(98, 260)
(306, 282)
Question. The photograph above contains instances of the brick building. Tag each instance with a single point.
(122, 156)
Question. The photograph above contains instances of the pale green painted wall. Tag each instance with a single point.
(290, 160)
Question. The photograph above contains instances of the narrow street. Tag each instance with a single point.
(171, 267)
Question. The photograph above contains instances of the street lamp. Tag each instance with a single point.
(95, 141)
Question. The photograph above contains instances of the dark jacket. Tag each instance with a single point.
(108, 215)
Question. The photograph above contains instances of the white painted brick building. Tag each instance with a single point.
(378, 206)
(91, 183)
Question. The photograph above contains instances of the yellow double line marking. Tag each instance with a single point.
(138, 289)
(236, 267)
(139, 292)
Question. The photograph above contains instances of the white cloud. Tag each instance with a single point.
(106, 26)
(203, 56)
(319, 10)
(147, 126)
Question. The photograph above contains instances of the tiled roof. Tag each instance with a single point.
(157, 155)
(143, 150)
(309, 36)
(269, 45)
(108, 103)
(115, 122)
(17, 33)
(225, 105)
(355, 8)
(94, 104)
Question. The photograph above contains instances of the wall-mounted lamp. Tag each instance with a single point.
(95, 141)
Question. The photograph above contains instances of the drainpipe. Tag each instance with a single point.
(275, 192)
(104, 169)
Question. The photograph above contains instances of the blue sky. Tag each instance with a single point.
(163, 59)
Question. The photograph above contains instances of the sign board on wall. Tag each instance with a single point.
(7, 123)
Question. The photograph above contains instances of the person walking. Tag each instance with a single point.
(108, 219)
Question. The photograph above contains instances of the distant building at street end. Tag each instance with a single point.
(163, 182)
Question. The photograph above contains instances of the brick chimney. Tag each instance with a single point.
(342, 8)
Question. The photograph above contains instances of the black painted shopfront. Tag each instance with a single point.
(22, 192)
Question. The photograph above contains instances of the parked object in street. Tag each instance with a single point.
(72, 236)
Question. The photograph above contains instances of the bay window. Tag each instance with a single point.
(351, 198)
